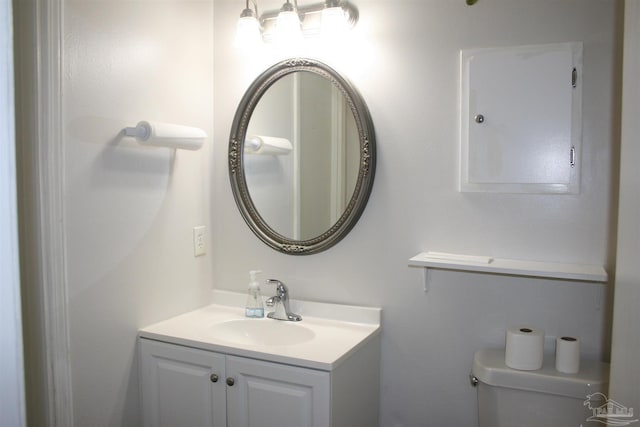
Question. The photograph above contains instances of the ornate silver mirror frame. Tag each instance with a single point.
(366, 171)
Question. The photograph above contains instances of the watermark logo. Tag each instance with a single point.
(608, 411)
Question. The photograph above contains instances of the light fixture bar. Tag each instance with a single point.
(309, 17)
(316, 19)
(350, 10)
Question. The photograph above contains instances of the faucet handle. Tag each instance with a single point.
(281, 288)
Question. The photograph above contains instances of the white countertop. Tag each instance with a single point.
(339, 331)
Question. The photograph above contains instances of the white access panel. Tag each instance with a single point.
(521, 119)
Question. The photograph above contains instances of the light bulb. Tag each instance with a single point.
(334, 22)
(288, 28)
(247, 32)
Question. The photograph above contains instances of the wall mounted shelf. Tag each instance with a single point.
(551, 270)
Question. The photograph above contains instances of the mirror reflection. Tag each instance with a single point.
(301, 155)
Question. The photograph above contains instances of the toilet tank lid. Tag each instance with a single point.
(489, 367)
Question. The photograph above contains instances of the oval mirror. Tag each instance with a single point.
(301, 156)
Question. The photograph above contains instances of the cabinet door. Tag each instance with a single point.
(521, 123)
(268, 394)
(181, 386)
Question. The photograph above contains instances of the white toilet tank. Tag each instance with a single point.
(546, 397)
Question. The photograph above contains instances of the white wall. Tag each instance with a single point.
(625, 353)
(130, 209)
(406, 65)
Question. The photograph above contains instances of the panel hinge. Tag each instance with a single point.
(572, 157)
(574, 77)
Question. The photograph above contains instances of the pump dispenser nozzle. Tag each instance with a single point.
(252, 277)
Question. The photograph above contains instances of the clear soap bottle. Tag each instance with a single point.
(254, 307)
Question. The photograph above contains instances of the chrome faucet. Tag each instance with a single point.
(280, 303)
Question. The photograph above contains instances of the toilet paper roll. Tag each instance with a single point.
(169, 135)
(524, 348)
(568, 355)
(267, 145)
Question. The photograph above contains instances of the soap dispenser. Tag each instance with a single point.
(254, 307)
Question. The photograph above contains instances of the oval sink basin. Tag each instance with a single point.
(261, 332)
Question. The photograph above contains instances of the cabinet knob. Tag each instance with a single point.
(230, 381)
(214, 378)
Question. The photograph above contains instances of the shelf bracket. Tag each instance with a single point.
(426, 279)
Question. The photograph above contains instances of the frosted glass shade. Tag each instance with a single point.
(247, 32)
(288, 28)
(333, 21)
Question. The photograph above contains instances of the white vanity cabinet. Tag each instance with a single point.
(213, 367)
(184, 386)
(269, 394)
(181, 386)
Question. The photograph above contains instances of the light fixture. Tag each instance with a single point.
(248, 31)
(288, 27)
(293, 21)
(333, 20)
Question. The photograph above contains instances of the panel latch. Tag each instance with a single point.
(572, 157)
